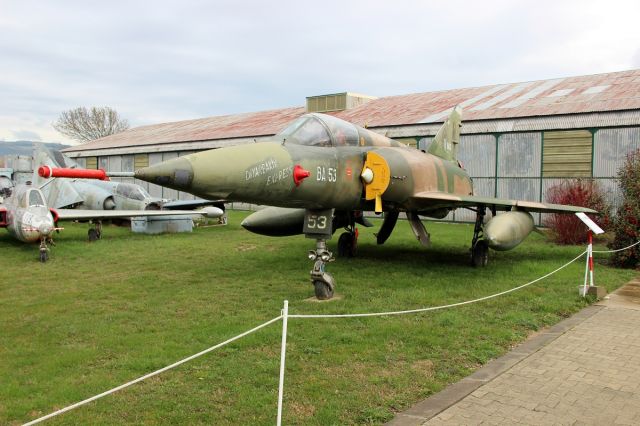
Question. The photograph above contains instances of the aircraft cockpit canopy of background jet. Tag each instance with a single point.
(35, 198)
(320, 130)
(133, 192)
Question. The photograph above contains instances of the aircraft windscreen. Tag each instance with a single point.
(307, 130)
(131, 191)
(344, 133)
(35, 198)
(142, 194)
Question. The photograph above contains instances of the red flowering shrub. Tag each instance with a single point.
(567, 228)
(626, 223)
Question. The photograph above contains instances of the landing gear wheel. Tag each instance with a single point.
(323, 290)
(480, 254)
(44, 250)
(93, 234)
(347, 244)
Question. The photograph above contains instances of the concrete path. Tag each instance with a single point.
(584, 370)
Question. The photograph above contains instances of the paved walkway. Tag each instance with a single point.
(585, 370)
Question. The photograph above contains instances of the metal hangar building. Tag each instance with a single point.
(517, 140)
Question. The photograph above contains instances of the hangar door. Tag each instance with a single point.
(567, 154)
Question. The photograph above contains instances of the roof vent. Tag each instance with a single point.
(336, 102)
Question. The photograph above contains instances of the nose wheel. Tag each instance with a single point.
(323, 282)
(44, 250)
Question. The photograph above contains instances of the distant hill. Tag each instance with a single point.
(26, 147)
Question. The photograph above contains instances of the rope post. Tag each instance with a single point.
(587, 264)
(590, 258)
(599, 292)
(283, 350)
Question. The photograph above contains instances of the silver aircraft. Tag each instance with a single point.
(28, 218)
(93, 194)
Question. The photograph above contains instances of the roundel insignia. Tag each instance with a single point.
(376, 177)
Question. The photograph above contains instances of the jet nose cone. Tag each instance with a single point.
(176, 173)
(45, 229)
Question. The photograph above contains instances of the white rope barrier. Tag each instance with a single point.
(435, 308)
(284, 315)
(614, 251)
(155, 373)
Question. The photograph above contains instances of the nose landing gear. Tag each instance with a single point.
(323, 282)
(318, 225)
(44, 250)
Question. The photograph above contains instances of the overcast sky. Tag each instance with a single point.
(172, 60)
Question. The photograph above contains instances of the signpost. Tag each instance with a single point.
(588, 270)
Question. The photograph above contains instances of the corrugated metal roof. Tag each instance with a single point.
(615, 91)
(212, 128)
(562, 96)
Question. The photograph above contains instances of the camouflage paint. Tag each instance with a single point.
(261, 173)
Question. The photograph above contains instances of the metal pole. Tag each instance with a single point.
(283, 350)
(586, 270)
(590, 258)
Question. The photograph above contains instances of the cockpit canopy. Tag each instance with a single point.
(132, 191)
(34, 198)
(320, 130)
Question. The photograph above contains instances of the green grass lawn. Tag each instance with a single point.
(100, 314)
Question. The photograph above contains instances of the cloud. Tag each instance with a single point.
(198, 58)
(635, 61)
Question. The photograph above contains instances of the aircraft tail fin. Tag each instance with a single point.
(445, 143)
(58, 192)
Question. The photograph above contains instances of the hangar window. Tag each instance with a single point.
(567, 154)
(91, 163)
(307, 130)
(140, 161)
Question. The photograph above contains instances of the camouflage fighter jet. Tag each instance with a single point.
(320, 173)
(26, 215)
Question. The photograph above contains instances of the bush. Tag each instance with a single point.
(626, 223)
(567, 228)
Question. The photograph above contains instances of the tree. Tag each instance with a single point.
(85, 125)
(627, 219)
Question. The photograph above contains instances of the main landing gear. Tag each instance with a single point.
(95, 233)
(348, 241)
(323, 282)
(479, 247)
